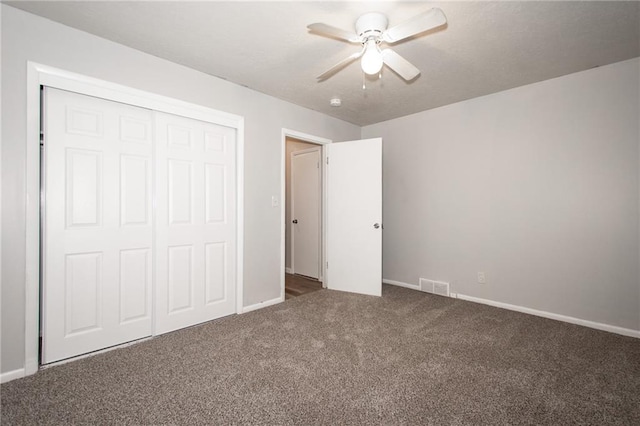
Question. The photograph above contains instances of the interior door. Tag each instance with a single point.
(195, 222)
(305, 212)
(354, 216)
(97, 229)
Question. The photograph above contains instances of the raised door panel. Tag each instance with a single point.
(135, 285)
(83, 188)
(180, 188)
(135, 190)
(135, 130)
(215, 193)
(179, 136)
(216, 284)
(85, 121)
(215, 141)
(180, 278)
(83, 293)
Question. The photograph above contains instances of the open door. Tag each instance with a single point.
(354, 216)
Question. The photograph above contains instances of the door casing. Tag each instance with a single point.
(318, 140)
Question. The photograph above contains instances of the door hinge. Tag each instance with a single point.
(327, 265)
(327, 160)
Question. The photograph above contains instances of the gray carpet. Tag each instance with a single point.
(335, 358)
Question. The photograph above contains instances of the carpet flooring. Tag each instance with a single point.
(335, 358)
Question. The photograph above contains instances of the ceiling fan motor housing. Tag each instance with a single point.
(371, 24)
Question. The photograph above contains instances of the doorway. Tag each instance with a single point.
(353, 269)
(304, 209)
(302, 212)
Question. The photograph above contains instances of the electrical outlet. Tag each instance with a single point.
(482, 278)
(274, 201)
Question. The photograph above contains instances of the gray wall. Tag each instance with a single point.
(27, 37)
(536, 186)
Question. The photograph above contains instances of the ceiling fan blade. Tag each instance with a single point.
(329, 31)
(337, 67)
(399, 65)
(423, 22)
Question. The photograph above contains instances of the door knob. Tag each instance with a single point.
(295, 220)
(376, 225)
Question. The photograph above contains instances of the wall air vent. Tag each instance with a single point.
(440, 288)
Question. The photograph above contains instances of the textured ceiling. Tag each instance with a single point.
(485, 48)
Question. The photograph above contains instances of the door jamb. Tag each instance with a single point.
(287, 133)
(39, 75)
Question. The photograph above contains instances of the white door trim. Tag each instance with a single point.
(37, 75)
(287, 133)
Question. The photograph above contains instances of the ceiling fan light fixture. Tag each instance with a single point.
(372, 58)
(371, 30)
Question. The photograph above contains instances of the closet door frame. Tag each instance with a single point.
(42, 75)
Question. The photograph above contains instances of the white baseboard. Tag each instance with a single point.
(401, 284)
(12, 375)
(591, 324)
(288, 270)
(262, 305)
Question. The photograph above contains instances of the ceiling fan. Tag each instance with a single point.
(371, 31)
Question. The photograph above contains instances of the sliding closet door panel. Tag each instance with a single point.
(195, 217)
(97, 257)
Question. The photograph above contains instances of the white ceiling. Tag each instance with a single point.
(485, 48)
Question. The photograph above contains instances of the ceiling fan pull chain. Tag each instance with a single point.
(364, 82)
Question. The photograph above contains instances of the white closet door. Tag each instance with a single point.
(97, 256)
(196, 222)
